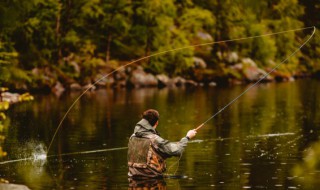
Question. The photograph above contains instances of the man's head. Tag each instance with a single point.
(152, 116)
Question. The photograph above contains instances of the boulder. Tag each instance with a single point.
(232, 57)
(10, 97)
(104, 81)
(199, 63)
(164, 80)
(139, 78)
(212, 84)
(89, 87)
(58, 88)
(252, 73)
(9, 186)
(191, 83)
(179, 81)
(204, 36)
(75, 87)
(248, 62)
(281, 76)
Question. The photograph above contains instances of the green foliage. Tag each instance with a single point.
(309, 166)
(44, 33)
(3, 106)
(262, 49)
(8, 67)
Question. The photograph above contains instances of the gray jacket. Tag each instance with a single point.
(164, 147)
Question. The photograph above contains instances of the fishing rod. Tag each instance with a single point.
(257, 82)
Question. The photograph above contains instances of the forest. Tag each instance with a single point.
(48, 42)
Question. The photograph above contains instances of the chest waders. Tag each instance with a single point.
(142, 155)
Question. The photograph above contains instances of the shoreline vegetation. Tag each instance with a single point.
(52, 46)
(240, 71)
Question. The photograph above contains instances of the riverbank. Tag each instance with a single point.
(234, 71)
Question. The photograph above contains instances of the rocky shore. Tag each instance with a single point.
(235, 71)
(10, 186)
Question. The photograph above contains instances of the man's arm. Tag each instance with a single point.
(169, 149)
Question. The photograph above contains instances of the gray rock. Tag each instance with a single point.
(212, 84)
(10, 97)
(58, 88)
(199, 63)
(191, 83)
(252, 73)
(249, 62)
(179, 81)
(232, 57)
(139, 78)
(8, 186)
(75, 87)
(204, 36)
(164, 80)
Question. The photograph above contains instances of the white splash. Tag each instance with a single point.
(40, 156)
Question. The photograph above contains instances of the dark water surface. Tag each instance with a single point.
(253, 144)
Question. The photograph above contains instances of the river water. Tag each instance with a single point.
(253, 144)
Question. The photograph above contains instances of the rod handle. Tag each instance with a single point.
(199, 127)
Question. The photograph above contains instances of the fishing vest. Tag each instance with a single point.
(143, 156)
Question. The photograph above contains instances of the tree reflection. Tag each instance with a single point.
(308, 172)
(3, 125)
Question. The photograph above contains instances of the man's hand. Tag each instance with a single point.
(192, 133)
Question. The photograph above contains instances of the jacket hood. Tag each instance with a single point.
(143, 128)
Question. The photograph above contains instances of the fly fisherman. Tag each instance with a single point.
(147, 151)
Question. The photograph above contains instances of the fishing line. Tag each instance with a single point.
(262, 78)
(177, 162)
(90, 151)
(44, 157)
(40, 157)
(160, 53)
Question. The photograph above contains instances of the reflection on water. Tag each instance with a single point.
(253, 144)
(147, 184)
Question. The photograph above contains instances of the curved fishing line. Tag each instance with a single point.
(177, 162)
(156, 54)
(253, 85)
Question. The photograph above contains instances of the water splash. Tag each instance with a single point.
(40, 153)
(31, 151)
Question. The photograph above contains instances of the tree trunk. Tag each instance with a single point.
(109, 39)
(148, 46)
(58, 33)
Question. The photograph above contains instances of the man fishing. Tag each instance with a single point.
(147, 151)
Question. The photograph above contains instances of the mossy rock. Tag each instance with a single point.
(3, 89)
(2, 117)
(26, 97)
(2, 153)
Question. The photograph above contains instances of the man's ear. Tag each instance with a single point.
(156, 124)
